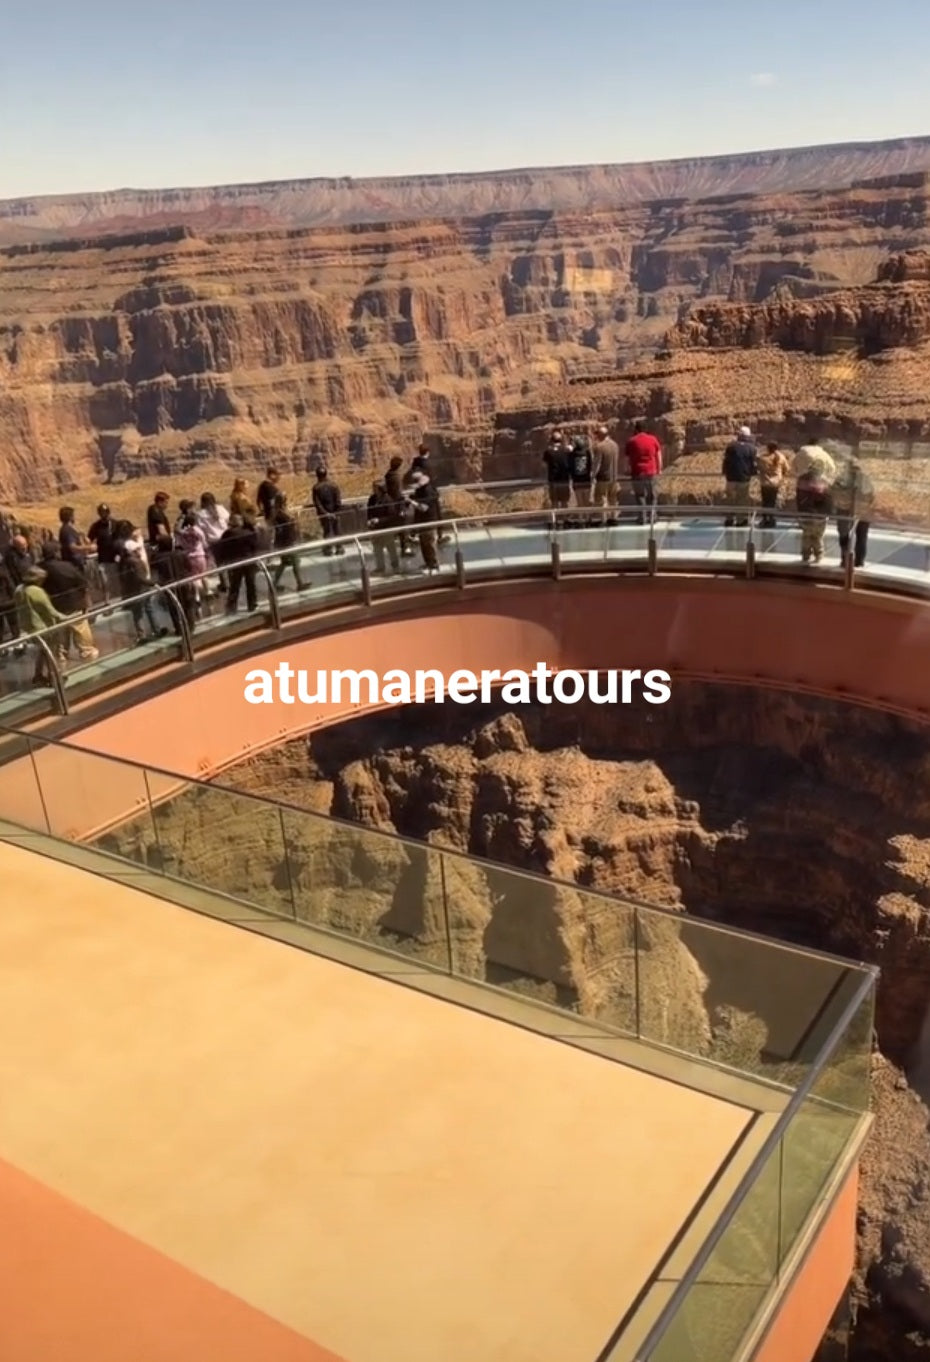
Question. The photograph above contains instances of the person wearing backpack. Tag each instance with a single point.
(582, 462)
(814, 506)
(853, 500)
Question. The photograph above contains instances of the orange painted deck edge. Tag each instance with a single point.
(76, 1289)
(808, 1305)
(851, 647)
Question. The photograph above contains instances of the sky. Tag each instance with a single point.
(101, 94)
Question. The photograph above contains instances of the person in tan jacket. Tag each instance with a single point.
(773, 466)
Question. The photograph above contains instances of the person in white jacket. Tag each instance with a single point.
(213, 519)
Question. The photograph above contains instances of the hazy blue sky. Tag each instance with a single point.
(100, 94)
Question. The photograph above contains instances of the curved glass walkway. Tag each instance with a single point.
(690, 539)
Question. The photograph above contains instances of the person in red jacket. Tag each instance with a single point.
(644, 460)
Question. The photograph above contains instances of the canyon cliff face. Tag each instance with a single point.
(850, 364)
(797, 818)
(150, 354)
(305, 203)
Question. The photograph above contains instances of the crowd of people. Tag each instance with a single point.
(200, 550)
(207, 550)
(808, 481)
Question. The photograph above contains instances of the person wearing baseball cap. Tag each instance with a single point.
(739, 468)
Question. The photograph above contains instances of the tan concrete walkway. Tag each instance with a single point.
(396, 1178)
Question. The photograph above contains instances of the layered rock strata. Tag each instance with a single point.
(153, 353)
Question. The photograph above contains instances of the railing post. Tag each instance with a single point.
(187, 643)
(450, 956)
(652, 544)
(751, 548)
(638, 1012)
(58, 685)
(556, 560)
(365, 574)
(274, 605)
(849, 560)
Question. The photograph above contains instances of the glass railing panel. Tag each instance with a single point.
(222, 841)
(20, 791)
(549, 942)
(525, 541)
(117, 641)
(830, 1116)
(585, 540)
(380, 890)
(745, 1002)
(491, 549)
(724, 1301)
(99, 800)
(330, 574)
(683, 535)
(22, 694)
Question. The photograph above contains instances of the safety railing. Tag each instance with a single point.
(800, 1022)
(56, 667)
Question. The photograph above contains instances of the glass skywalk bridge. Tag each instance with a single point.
(487, 548)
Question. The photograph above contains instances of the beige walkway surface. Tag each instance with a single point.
(399, 1179)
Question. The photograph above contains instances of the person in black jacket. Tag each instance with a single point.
(65, 584)
(582, 461)
(172, 569)
(382, 514)
(327, 502)
(558, 471)
(66, 587)
(102, 534)
(286, 539)
(267, 493)
(236, 544)
(19, 558)
(739, 469)
(394, 484)
(71, 541)
(9, 620)
(426, 513)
